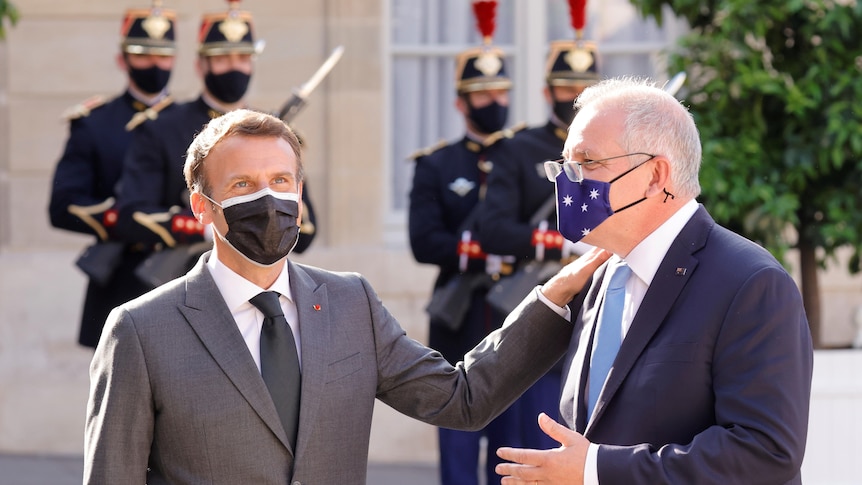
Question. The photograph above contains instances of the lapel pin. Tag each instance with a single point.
(316, 308)
(681, 271)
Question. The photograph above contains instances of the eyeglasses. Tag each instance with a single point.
(575, 170)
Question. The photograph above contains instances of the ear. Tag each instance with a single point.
(201, 66)
(461, 105)
(201, 207)
(659, 177)
(546, 91)
(120, 59)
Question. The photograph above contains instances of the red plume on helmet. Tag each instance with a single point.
(482, 68)
(578, 13)
(573, 62)
(486, 15)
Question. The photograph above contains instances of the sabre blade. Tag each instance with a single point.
(675, 83)
(309, 86)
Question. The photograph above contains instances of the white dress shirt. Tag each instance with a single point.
(237, 291)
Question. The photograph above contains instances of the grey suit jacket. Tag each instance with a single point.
(712, 382)
(176, 398)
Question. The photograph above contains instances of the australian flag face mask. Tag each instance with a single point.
(582, 205)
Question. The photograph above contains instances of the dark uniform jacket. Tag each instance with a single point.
(153, 181)
(446, 188)
(517, 188)
(87, 175)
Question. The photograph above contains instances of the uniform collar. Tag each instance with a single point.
(141, 103)
(556, 130)
(212, 107)
(472, 142)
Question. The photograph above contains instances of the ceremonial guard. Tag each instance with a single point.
(448, 186)
(83, 192)
(518, 216)
(154, 205)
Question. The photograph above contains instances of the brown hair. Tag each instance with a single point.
(241, 122)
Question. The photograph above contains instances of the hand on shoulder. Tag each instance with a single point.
(570, 280)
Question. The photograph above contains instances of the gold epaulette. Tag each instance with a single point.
(84, 108)
(150, 113)
(506, 133)
(424, 152)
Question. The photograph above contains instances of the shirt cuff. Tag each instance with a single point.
(591, 471)
(564, 312)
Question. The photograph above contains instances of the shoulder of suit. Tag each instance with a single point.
(424, 152)
(320, 275)
(84, 108)
(151, 113)
(495, 137)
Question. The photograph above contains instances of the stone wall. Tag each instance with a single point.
(61, 53)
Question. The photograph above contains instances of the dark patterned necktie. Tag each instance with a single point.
(279, 364)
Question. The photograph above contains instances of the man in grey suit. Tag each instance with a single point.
(704, 374)
(179, 388)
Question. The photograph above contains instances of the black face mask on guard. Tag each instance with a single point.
(229, 87)
(151, 80)
(488, 119)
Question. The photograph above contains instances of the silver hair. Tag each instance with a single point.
(655, 123)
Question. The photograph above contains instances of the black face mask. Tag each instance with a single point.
(261, 226)
(229, 87)
(565, 111)
(152, 80)
(489, 119)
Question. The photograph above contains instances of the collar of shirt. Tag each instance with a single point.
(646, 257)
(237, 291)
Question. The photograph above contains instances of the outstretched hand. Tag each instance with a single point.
(570, 280)
(563, 465)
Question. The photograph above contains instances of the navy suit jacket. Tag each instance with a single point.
(712, 382)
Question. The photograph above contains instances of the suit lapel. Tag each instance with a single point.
(213, 323)
(576, 366)
(312, 306)
(669, 281)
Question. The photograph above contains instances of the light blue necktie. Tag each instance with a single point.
(608, 333)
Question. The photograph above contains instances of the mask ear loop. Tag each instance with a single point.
(627, 206)
(214, 203)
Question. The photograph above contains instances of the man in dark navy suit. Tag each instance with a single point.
(154, 204)
(83, 192)
(703, 372)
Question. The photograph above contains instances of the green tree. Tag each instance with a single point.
(7, 10)
(775, 88)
